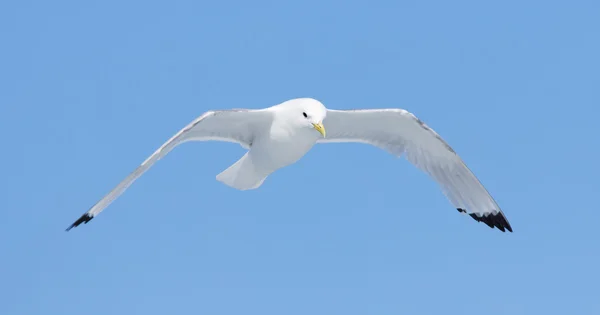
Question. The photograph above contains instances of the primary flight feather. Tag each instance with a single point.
(280, 135)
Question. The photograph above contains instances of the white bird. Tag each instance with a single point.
(280, 135)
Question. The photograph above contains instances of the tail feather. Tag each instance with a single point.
(242, 175)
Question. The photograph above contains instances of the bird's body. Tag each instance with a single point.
(282, 146)
(280, 135)
(275, 145)
(266, 155)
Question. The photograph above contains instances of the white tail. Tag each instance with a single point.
(242, 175)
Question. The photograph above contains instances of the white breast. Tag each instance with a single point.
(282, 146)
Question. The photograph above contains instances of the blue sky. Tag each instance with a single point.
(91, 88)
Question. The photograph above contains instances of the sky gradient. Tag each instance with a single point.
(89, 89)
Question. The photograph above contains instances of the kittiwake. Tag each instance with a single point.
(280, 135)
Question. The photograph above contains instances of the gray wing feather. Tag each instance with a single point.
(400, 132)
(238, 125)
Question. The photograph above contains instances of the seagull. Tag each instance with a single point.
(280, 135)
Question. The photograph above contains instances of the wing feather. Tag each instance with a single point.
(400, 132)
(238, 126)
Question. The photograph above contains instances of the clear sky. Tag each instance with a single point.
(89, 89)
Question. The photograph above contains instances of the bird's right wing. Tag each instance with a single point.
(238, 125)
(400, 132)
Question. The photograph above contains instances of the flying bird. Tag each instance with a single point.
(280, 135)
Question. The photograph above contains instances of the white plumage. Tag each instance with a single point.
(280, 135)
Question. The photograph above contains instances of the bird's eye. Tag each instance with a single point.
(304, 114)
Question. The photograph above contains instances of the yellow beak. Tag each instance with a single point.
(319, 127)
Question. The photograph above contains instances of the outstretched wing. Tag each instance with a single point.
(398, 131)
(239, 125)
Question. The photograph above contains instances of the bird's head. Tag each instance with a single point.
(306, 112)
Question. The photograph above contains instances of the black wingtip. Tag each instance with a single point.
(492, 220)
(85, 218)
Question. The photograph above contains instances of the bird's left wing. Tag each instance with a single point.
(400, 132)
(238, 125)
